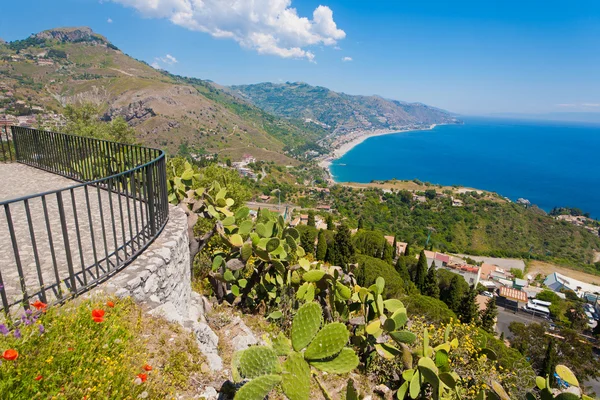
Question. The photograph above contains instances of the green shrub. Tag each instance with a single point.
(369, 269)
(433, 310)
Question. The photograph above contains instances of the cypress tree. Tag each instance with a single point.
(454, 295)
(407, 251)
(329, 222)
(431, 287)
(311, 219)
(388, 254)
(488, 316)
(321, 246)
(343, 253)
(468, 311)
(549, 363)
(421, 272)
(361, 223)
(394, 247)
(402, 269)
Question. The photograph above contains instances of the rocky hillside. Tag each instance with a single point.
(339, 112)
(42, 74)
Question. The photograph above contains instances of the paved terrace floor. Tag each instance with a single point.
(18, 180)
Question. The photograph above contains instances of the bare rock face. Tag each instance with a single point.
(2, 41)
(134, 113)
(79, 34)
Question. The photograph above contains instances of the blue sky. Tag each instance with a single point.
(470, 57)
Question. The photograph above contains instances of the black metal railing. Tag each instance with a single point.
(58, 244)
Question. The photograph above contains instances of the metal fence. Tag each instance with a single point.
(61, 243)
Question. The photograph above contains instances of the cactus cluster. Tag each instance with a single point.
(312, 344)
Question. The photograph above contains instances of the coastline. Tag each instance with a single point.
(356, 138)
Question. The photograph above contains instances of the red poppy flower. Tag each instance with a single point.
(38, 378)
(98, 316)
(147, 367)
(39, 305)
(110, 304)
(143, 377)
(10, 355)
(70, 348)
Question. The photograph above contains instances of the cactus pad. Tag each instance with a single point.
(257, 361)
(345, 362)
(306, 324)
(273, 244)
(282, 345)
(329, 341)
(257, 389)
(313, 276)
(403, 336)
(296, 377)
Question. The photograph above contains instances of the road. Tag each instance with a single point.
(506, 316)
(506, 263)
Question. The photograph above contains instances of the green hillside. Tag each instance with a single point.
(49, 70)
(339, 112)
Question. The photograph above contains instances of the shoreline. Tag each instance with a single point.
(339, 151)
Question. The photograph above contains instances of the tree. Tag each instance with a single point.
(361, 223)
(488, 316)
(308, 235)
(343, 250)
(468, 311)
(330, 222)
(402, 269)
(452, 288)
(388, 253)
(517, 273)
(84, 120)
(311, 219)
(431, 287)
(321, 246)
(370, 268)
(421, 272)
(395, 247)
(550, 362)
(572, 351)
(407, 250)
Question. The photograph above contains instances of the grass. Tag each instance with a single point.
(73, 357)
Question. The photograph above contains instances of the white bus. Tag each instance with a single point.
(537, 310)
(541, 303)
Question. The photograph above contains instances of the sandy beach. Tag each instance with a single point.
(354, 139)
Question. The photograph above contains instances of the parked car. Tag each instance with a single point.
(487, 294)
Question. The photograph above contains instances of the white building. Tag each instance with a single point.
(557, 282)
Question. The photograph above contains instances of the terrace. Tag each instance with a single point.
(73, 212)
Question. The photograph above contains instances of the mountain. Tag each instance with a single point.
(49, 70)
(339, 112)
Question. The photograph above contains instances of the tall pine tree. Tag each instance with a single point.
(407, 250)
(468, 311)
(361, 223)
(550, 362)
(453, 296)
(343, 250)
(329, 222)
(421, 272)
(488, 316)
(311, 219)
(432, 288)
(321, 246)
(402, 269)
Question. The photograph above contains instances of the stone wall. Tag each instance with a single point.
(161, 275)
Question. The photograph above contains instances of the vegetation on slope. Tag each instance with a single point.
(338, 112)
(482, 227)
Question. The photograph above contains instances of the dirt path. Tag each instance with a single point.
(540, 267)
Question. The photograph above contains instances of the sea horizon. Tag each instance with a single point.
(551, 163)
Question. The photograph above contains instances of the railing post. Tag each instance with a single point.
(65, 233)
(14, 140)
(151, 202)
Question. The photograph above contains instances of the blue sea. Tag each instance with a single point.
(549, 163)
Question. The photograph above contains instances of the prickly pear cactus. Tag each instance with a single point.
(306, 325)
(328, 342)
(257, 389)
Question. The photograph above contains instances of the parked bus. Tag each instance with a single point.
(541, 303)
(537, 310)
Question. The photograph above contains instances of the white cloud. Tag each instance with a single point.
(167, 59)
(346, 59)
(109, 20)
(591, 104)
(566, 105)
(578, 105)
(267, 26)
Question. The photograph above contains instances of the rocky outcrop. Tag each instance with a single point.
(73, 35)
(134, 113)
